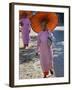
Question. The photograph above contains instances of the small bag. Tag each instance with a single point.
(49, 41)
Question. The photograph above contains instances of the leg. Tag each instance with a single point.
(24, 46)
(27, 45)
(45, 74)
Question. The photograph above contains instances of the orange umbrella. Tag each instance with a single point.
(22, 13)
(51, 17)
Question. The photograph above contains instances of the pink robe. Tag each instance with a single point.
(25, 30)
(46, 53)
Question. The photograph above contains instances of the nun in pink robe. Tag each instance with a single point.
(46, 53)
(25, 23)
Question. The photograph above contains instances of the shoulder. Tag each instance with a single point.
(27, 20)
(39, 33)
(50, 33)
(21, 19)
